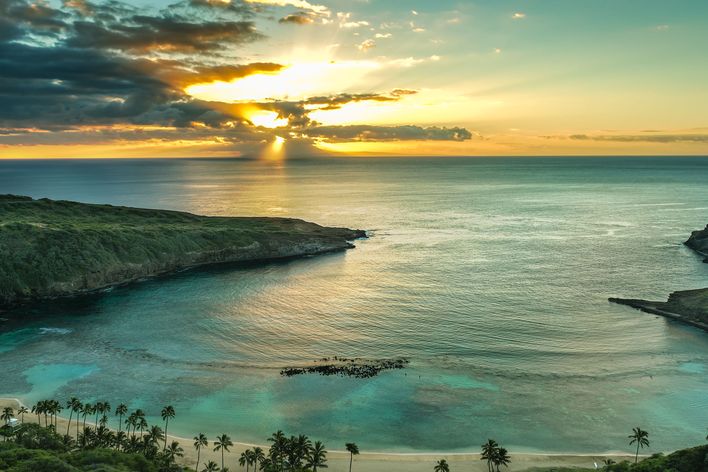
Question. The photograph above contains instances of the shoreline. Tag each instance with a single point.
(380, 461)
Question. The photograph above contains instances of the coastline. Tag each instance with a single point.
(338, 460)
(650, 307)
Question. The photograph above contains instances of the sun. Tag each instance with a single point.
(267, 119)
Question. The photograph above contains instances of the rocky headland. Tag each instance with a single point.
(699, 242)
(687, 306)
(52, 249)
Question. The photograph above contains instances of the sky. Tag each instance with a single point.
(287, 78)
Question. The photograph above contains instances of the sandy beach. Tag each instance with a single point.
(338, 461)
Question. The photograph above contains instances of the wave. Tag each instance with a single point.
(55, 330)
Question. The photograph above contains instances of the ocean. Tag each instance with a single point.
(490, 274)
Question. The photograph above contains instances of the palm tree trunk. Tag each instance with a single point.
(222, 458)
(196, 468)
(69, 425)
(120, 422)
(166, 421)
(636, 456)
(351, 458)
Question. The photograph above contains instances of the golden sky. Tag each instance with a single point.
(289, 78)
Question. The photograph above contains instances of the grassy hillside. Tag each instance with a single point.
(53, 248)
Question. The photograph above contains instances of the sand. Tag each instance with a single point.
(338, 461)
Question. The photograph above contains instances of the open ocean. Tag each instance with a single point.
(490, 274)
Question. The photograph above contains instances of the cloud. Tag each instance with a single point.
(647, 138)
(366, 45)
(301, 4)
(90, 72)
(387, 133)
(345, 21)
(299, 18)
(142, 33)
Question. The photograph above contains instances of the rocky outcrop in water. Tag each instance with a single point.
(52, 248)
(357, 368)
(699, 242)
(687, 306)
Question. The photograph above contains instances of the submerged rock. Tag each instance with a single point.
(357, 368)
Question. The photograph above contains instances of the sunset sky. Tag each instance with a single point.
(280, 78)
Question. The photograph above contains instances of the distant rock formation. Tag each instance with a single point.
(688, 306)
(699, 242)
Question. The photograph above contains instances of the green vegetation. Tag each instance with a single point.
(694, 459)
(56, 248)
(640, 438)
(143, 448)
(353, 450)
(495, 455)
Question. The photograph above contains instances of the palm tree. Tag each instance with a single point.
(88, 410)
(489, 452)
(23, 409)
(278, 448)
(142, 425)
(353, 450)
(640, 437)
(317, 456)
(156, 435)
(442, 466)
(121, 410)
(245, 459)
(7, 414)
(173, 451)
(258, 457)
(211, 466)
(199, 442)
(222, 444)
(73, 406)
(167, 413)
(608, 463)
(502, 458)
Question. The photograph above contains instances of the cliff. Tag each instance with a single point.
(58, 248)
(699, 242)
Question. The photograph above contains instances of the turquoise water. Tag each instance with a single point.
(491, 275)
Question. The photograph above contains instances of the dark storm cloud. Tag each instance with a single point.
(388, 133)
(39, 17)
(143, 33)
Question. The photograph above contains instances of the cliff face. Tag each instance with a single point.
(58, 248)
(699, 242)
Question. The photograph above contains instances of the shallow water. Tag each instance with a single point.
(491, 275)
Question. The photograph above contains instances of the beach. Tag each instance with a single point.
(338, 461)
